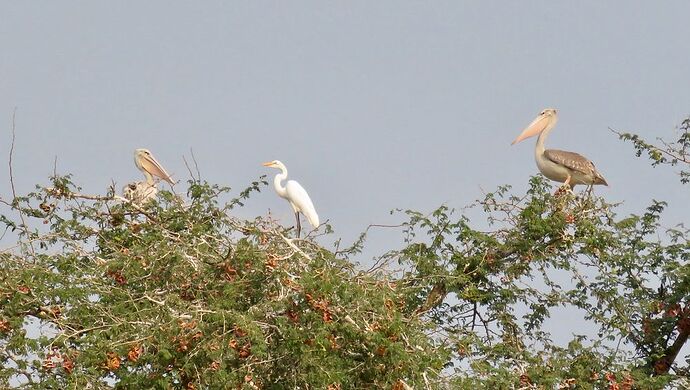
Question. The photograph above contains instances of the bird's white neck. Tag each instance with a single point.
(282, 192)
(149, 178)
(539, 150)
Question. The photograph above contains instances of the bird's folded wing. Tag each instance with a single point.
(299, 198)
(574, 161)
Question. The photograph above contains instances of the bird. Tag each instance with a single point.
(295, 194)
(568, 168)
(142, 191)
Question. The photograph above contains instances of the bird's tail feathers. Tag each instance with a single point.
(599, 179)
(313, 220)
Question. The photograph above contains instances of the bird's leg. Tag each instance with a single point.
(565, 187)
(299, 228)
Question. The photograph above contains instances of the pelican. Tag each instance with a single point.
(295, 194)
(566, 167)
(143, 191)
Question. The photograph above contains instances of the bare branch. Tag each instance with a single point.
(15, 205)
(196, 166)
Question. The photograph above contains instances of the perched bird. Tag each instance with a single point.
(566, 167)
(295, 194)
(142, 191)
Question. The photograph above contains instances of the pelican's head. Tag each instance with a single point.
(274, 164)
(546, 120)
(146, 163)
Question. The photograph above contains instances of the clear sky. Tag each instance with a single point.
(371, 105)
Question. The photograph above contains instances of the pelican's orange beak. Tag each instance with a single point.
(537, 126)
(153, 167)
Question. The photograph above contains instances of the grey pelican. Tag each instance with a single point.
(143, 191)
(295, 194)
(566, 167)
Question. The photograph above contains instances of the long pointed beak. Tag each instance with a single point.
(537, 126)
(268, 164)
(153, 167)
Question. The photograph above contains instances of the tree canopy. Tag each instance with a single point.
(180, 293)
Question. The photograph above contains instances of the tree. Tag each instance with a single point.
(187, 296)
(490, 292)
(181, 294)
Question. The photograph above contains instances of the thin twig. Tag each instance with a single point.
(38, 238)
(186, 164)
(196, 167)
(75, 195)
(657, 149)
(15, 203)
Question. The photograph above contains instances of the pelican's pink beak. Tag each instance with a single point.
(537, 126)
(152, 166)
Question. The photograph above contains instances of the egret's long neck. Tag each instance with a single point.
(282, 192)
(539, 150)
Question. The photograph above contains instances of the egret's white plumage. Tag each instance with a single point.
(566, 167)
(295, 194)
(143, 191)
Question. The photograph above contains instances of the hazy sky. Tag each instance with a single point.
(371, 105)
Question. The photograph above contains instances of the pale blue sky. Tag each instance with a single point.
(371, 105)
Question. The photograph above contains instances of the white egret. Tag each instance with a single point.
(566, 167)
(295, 194)
(143, 191)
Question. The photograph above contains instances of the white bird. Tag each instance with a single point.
(566, 167)
(295, 194)
(142, 191)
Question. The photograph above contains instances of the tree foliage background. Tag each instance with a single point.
(180, 293)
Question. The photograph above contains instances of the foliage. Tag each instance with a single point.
(492, 293)
(173, 295)
(675, 153)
